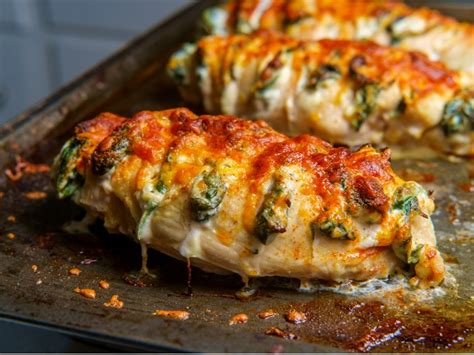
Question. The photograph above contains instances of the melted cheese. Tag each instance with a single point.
(317, 182)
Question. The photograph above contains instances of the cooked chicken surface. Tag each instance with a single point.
(347, 92)
(233, 195)
(385, 22)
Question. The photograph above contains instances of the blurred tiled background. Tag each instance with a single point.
(45, 43)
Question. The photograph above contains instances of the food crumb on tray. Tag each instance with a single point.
(269, 313)
(240, 318)
(179, 315)
(103, 284)
(295, 317)
(11, 219)
(24, 167)
(35, 195)
(11, 235)
(74, 271)
(85, 292)
(274, 331)
(114, 302)
(34, 267)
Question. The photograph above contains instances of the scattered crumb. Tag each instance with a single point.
(269, 313)
(24, 167)
(11, 219)
(39, 282)
(86, 292)
(295, 317)
(453, 211)
(74, 271)
(2, 194)
(114, 302)
(104, 284)
(180, 315)
(35, 195)
(11, 236)
(280, 333)
(34, 267)
(240, 318)
(13, 176)
(37, 168)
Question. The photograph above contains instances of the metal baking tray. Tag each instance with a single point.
(132, 80)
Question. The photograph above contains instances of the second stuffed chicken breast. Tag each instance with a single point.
(343, 91)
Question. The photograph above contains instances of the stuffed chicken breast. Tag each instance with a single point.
(232, 195)
(347, 92)
(385, 22)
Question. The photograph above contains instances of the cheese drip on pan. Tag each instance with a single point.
(232, 195)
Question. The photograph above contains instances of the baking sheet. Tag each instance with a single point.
(133, 80)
